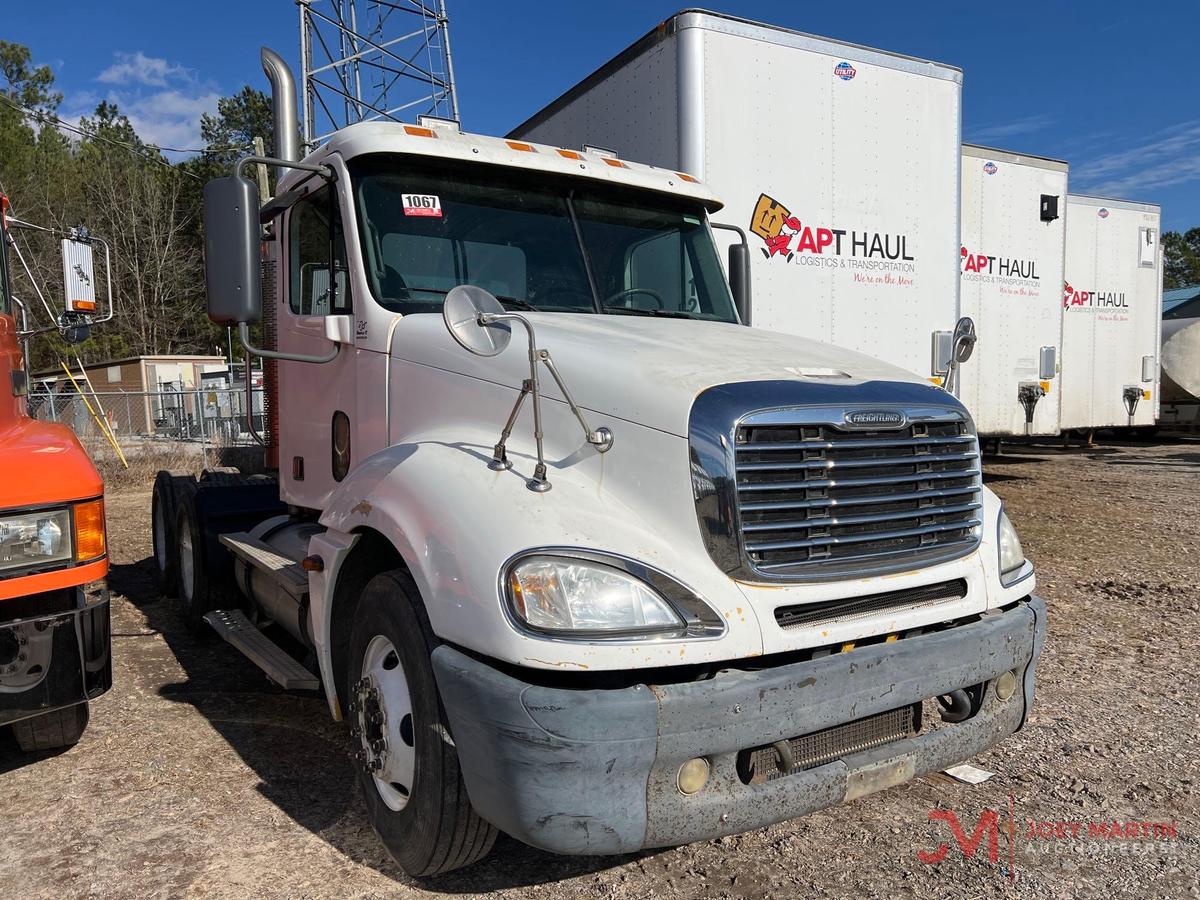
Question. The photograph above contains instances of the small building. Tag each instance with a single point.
(139, 394)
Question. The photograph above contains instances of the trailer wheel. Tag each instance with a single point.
(407, 766)
(164, 509)
(52, 730)
(198, 589)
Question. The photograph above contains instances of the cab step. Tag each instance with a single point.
(283, 570)
(280, 666)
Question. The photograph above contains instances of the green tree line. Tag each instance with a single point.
(98, 172)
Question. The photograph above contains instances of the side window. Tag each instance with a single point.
(662, 264)
(315, 241)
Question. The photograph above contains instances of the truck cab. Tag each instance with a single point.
(54, 618)
(579, 556)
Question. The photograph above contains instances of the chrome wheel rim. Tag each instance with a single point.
(384, 723)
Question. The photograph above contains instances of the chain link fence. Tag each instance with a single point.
(208, 415)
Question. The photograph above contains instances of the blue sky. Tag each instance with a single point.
(1111, 85)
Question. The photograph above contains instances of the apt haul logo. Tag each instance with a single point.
(844, 71)
(1093, 299)
(1002, 267)
(990, 168)
(1102, 213)
(785, 236)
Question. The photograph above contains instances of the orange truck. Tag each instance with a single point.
(55, 643)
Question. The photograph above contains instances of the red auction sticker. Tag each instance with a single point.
(422, 205)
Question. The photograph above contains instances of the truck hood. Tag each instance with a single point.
(43, 463)
(642, 369)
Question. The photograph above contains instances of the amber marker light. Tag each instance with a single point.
(89, 530)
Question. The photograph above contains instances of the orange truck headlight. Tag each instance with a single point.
(89, 530)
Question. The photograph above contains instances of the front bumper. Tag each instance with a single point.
(594, 771)
(50, 660)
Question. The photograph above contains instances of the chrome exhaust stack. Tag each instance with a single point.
(283, 104)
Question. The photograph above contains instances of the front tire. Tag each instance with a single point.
(406, 762)
(52, 730)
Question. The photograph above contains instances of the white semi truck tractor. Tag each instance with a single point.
(576, 555)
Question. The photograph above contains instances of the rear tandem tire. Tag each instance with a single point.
(169, 488)
(428, 825)
(199, 590)
(52, 730)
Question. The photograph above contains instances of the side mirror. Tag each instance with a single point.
(964, 339)
(466, 311)
(77, 333)
(739, 279)
(232, 257)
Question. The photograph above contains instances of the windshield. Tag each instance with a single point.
(535, 241)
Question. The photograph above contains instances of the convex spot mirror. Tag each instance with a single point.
(964, 339)
(467, 313)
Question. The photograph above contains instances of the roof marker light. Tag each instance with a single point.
(419, 131)
(686, 177)
(615, 163)
(518, 145)
(569, 154)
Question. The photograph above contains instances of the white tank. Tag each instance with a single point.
(1180, 358)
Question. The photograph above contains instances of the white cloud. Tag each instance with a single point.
(1015, 128)
(138, 68)
(163, 100)
(1168, 157)
(169, 118)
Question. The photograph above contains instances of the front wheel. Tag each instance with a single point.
(52, 730)
(406, 761)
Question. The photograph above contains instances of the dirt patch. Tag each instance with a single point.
(198, 778)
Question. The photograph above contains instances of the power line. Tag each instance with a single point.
(40, 115)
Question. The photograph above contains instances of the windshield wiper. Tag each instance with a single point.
(635, 311)
(519, 304)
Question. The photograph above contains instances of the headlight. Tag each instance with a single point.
(34, 540)
(555, 594)
(1012, 557)
(584, 594)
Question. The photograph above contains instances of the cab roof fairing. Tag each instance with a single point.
(370, 138)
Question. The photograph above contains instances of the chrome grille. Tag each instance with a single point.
(821, 498)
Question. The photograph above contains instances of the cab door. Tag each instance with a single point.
(316, 400)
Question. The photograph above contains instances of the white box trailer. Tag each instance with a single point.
(1013, 236)
(841, 161)
(1112, 314)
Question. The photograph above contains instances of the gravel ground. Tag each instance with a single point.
(197, 778)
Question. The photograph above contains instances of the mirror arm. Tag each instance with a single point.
(244, 338)
(601, 438)
(742, 303)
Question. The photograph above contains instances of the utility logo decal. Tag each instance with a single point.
(990, 167)
(1102, 213)
(1114, 303)
(1011, 274)
(868, 253)
(422, 205)
(844, 71)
